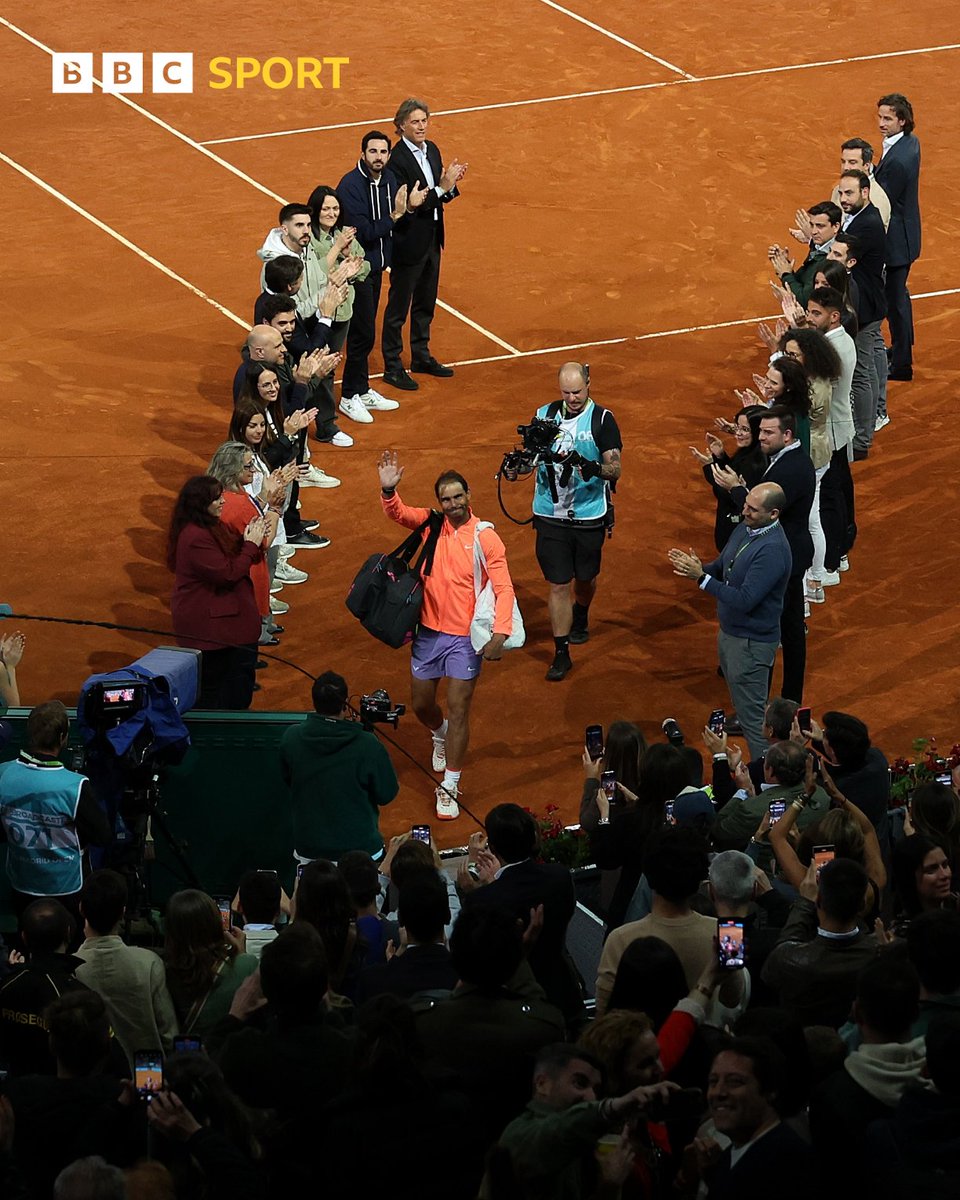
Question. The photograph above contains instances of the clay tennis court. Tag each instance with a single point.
(627, 173)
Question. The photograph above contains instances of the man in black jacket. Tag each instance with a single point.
(788, 465)
(422, 963)
(418, 240)
(868, 392)
(898, 172)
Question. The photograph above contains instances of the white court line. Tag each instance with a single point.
(617, 38)
(373, 122)
(52, 191)
(233, 170)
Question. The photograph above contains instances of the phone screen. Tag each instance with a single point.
(821, 856)
(187, 1045)
(777, 809)
(946, 778)
(608, 781)
(148, 1073)
(731, 943)
(668, 813)
(300, 867)
(718, 719)
(803, 719)
(594, 741)
(421, 833)
(224, 905)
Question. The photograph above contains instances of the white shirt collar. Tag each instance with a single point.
(892, 141)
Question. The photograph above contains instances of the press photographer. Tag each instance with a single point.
(572, 509)
(339, 774)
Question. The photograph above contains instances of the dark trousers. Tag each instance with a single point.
(362, 334)
(413, 290)
(900, 318)
(323, 399)
(793, 638)
(227, 677)
(838, 509)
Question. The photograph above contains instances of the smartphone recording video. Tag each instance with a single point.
(717, 721)
(148, 1073)
(821, 856)
(421, 833)
(608, 781)
(732, 945)
(223, 903)
(668, 813)
(804, 718)
(593, 737)
(777, 809)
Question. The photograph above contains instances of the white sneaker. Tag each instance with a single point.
(278, 607)
(353, 407)
(830, 578)
(275, 587)
(814, 593)
(287, 551)
(317, 477)
(447, 807)
(287, 573)
(844, 563)
(341, 439)
(806, 609)
(882, 422)
(372, 399)
(439, 754)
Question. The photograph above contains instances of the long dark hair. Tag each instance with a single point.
(194, 945)
(796, 385)
(625, 747)
(246, 409)
(750, 461)
(820, 360)
(250, 392)
(650, 979)
(323, 901)
(192, 508)
(315, 203)
(935, 813)
(908, 857)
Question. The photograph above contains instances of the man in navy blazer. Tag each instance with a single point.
(417, 243)
(898, 173)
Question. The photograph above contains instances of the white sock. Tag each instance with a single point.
(441, 732)
(451, 778)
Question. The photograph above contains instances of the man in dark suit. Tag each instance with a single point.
(789, 466)
(417, 243)
(522, 885)
(898, 172)
(862, 220)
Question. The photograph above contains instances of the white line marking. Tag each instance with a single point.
(52, 191)
(617, 38)
(232, 169)
(373, 122)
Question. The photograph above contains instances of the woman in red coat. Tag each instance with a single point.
(213, 604)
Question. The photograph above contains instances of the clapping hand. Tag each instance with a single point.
(727, 478)
(255, 530)
(11, 649)
(389, 470)
(399, 202)
(685, 564)
(452, 175)
(804, 230)
(781, 262)
(793, 310)
(701, 458)
(748, 396)
(417, 196)
(767, 336)
(723, 424)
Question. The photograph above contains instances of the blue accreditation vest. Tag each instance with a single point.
(580, 500)
(38, 808)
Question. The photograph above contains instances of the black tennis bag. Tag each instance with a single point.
(387, 593)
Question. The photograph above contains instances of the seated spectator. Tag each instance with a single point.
(406, 855)
(874, 1076)
(784, 771)
(859, 769)
(916, 1151)
(496, 1020)
(778, 722)
(523, 884)
(743, 1091)
(203, 964)
(675, 863)
(203, 1134)
(422, 962)
(322, 899)
(822, 949)
(922, 879)
(261, 902)
(293, 1056)
(49, 971)
(424, 1127)
(130, 979)
(80, 1104)
(934, 812)
(362, 878)
(552, 1143)
(621, 831)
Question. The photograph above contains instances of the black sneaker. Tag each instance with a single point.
(309, 525)
(430, 366)
(398, 378)
(306, 540)
(579, 635)
(560, 668)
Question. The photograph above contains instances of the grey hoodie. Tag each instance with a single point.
(314, 271)
(886, 1070)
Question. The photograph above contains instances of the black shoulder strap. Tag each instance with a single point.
(553, 410)
(435, 523)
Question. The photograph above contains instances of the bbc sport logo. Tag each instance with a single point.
(122, 74)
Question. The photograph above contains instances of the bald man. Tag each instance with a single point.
(572, 511)
(748, 580)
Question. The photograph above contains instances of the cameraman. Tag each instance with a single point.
(339, 775)
(570, 514)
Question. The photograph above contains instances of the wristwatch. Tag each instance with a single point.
(604, 821)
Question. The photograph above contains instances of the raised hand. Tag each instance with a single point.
(701, 458)
(714, 445)
(399, 202)
(255, 530)
(416, 197)
(767, 336)
(389, 470)
(726, 477)
(334, 294)
(11, 649)
(326, 362)
(804, 230)
(452, 174)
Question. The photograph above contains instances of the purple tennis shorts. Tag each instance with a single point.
(443, 656)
